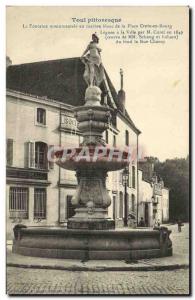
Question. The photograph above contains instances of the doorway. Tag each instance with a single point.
(70, 207)
(114, 207)
(146, 214)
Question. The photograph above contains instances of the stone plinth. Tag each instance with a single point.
(90, 223)
(92, 244)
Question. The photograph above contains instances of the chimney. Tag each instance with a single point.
(121, 94)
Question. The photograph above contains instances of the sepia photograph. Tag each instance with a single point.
(97, 150)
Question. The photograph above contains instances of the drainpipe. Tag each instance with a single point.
(125, 196)
(59, 169)
(137, 181)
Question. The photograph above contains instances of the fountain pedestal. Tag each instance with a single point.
(91, 198)
(92, 201)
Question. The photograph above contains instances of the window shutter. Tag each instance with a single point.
(9, 152)
(51, 163)
(29, 157)
(32, 154)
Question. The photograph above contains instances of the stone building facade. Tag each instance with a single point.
(40, 98)
(153, 205)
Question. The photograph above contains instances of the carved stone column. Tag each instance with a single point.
(92, 201)
(91, 197)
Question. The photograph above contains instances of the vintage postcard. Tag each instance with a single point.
(97, 150)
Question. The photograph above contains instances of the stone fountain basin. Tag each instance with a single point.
(92, 244)
(76, 159)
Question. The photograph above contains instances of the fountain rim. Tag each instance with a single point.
(122, 233)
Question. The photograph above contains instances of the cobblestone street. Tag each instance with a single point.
(24, 281)
(43, 281)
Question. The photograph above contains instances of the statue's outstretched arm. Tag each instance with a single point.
(86, 50)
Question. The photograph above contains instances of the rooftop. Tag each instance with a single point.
(60, 80)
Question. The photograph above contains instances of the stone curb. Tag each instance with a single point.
(102, 268)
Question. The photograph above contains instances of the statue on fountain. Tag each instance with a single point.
(94, 70)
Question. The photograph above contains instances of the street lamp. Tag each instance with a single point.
(125, 179)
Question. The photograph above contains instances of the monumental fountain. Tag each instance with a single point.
(90, 233)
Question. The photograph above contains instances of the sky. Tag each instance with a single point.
(156, 76)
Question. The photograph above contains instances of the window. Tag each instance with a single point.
(126, 137)
(9, 152)
(107, 137)
(40, 199)
(133, 202)
(41, 116)
(18, 202)
(121, 205)
(35, 155)
(114, 140)
(40, 155)
(133, 177)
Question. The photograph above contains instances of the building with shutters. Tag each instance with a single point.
(40, 98)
